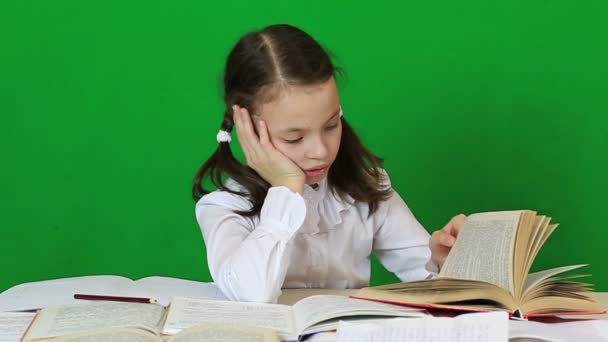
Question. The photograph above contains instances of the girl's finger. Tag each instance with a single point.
(252, 138)
(459, 223)
(455, 225)
(240, 131)
(263, 131)
(446, 239)
(238, 125)
(247, 125)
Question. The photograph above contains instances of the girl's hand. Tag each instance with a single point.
(442, 240)
(262, 156)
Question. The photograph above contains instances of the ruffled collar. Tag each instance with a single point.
(323, 202)
(320, 202)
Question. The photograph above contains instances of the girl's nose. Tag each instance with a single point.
(318, 149)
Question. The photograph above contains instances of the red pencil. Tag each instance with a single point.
(114, 298)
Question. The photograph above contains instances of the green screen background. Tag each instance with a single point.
(108, 108)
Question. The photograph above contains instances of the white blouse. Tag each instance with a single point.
(312, 240)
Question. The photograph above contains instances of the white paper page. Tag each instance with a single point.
(493, 263)
(586, 330)
(13, 325)
(114, 335)
(475, 327)
(315, 309)
(187, 312)
(57, 321)
(226, 333)
(164, 289)
(45, 293)
(323, 337)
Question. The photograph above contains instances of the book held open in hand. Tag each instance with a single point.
(488, 269)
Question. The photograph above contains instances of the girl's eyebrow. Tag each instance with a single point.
(295, 129)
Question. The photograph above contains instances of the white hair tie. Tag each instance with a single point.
(223, 136)
(341, 111)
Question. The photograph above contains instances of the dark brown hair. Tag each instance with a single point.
(259, 65)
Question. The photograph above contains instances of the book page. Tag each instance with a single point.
(112, 335)
(292, 296)
(442, 291)
(315, 309)
(529, 226)
(535, 278)
(478, 327)
(575, 330)
(484, 249)
(64, 320)
(164, 289)
(225, 333)
(187, 312)
(40, 294)
(14, 324)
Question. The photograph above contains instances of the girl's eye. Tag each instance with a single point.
(295, 141)
(329, 128)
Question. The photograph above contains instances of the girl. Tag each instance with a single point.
(312, 203)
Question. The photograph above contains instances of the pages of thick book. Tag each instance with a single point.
(488, 269)
(40, 294)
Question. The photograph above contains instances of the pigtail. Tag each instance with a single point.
(221, 158)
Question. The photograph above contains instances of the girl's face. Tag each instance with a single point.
(304, 124)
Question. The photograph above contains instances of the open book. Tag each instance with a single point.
(119, 321)
(312, 314)
(40, 294)
(487, 269)
(309, 315)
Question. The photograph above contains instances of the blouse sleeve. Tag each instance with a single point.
(400, 241)
(249, 261)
